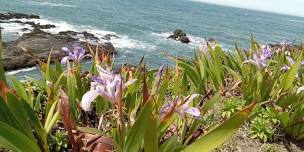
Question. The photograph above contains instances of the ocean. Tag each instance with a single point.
(144, 25)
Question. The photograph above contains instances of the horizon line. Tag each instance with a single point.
(245, 8)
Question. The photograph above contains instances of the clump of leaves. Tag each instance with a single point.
(58, 141)
(270, 148)
(261, 128)
(231, 106)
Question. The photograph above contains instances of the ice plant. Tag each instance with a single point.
(182, 106)
(108, 85)
(77, 54)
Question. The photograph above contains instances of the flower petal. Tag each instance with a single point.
(190, 98)
(64, 60)
(87, 99)
(193, 111)
(66, 50)
(284, 68)
(159, 75)
(104, 73)
(84, 56)
(130, 82)
(98, 80)
(253, 62)
(102, 91)
(290, 60)
(300, 89)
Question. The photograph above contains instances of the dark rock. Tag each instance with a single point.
(108, 47)
(17, 21)
(46, 26)
(70, 33)
(19, 54)
(29, 23)
(33, 24)
(108, 37)
(35, 32)
(90, 36)
(184, 39)
(25, 29)
(7, 16)
(179, 35)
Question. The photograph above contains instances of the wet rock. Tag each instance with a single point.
(179, 35)
(108, 47)
(108, 37)
(25, 29)
(89, 36)
(29, 47)
(37, 44)
(184, 39)
(7, 16)
(46, 26)
(70, 33)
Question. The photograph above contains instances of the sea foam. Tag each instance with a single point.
(194, 40)
(20, 70)
(121, 41)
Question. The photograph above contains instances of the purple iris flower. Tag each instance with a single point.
(285, 43)
(267, 52)
(260, 58)
(107, 85)
(77, 54)
(285, 67)
(159, 75)
(182, 106)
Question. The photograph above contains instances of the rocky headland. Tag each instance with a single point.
(19, 53)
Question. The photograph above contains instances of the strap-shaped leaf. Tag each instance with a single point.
(13, 139)
(2, 74)
(219, 135)
(135, 136)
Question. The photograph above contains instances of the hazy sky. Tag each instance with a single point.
(291, 7)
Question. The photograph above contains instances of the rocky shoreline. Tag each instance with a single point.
(19, 53)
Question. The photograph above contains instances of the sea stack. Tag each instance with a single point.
(179, 35)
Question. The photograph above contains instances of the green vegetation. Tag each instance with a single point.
(195, 106)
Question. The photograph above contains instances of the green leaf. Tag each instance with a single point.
(48, 67)
(170, 145)
(190, 70)
(219, 135)
(286, 101)
(2, 74)
(13, 139)
(18, 111)
(150, 138)
(7, 116)
(252, 43)
(52, 114)
(135, 136)
(19, 88)
(210, 103)
(288, 79)
(36, 124)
